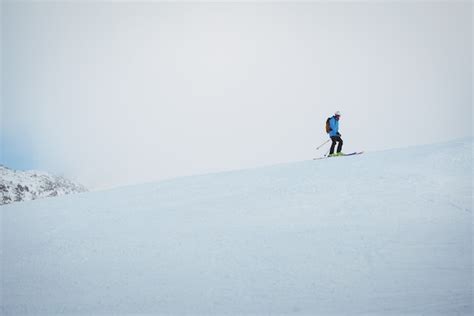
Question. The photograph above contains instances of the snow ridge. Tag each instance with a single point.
(16, 186)
(383, 233)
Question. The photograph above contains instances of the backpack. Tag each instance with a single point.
(328, 125)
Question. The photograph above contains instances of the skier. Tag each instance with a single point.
(333, 131)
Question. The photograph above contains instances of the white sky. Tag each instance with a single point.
(118, 93)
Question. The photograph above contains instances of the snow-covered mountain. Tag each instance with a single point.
(383, 233)
(16, 186)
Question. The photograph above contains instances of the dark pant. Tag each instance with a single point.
(336, 139)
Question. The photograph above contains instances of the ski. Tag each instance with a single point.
(354, 153)
(349, 154)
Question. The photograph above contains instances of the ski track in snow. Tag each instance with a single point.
(384, 233)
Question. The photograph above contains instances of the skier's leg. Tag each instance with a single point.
(331, 151)
(339, 146)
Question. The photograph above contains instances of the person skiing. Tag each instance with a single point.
(333, 131)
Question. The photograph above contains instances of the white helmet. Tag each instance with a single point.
(338, 113)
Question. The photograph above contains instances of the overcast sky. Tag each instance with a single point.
(110, 94)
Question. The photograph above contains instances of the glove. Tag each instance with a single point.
(339, 134)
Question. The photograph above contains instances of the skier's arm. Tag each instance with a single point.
(332, 124)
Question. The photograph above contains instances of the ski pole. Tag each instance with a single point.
(326, 154)
(322, 144)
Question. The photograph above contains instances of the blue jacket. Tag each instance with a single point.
(334, 124)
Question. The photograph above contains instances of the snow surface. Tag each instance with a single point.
(380, 233)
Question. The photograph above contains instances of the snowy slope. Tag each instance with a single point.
(381, 233)
(16, 186)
